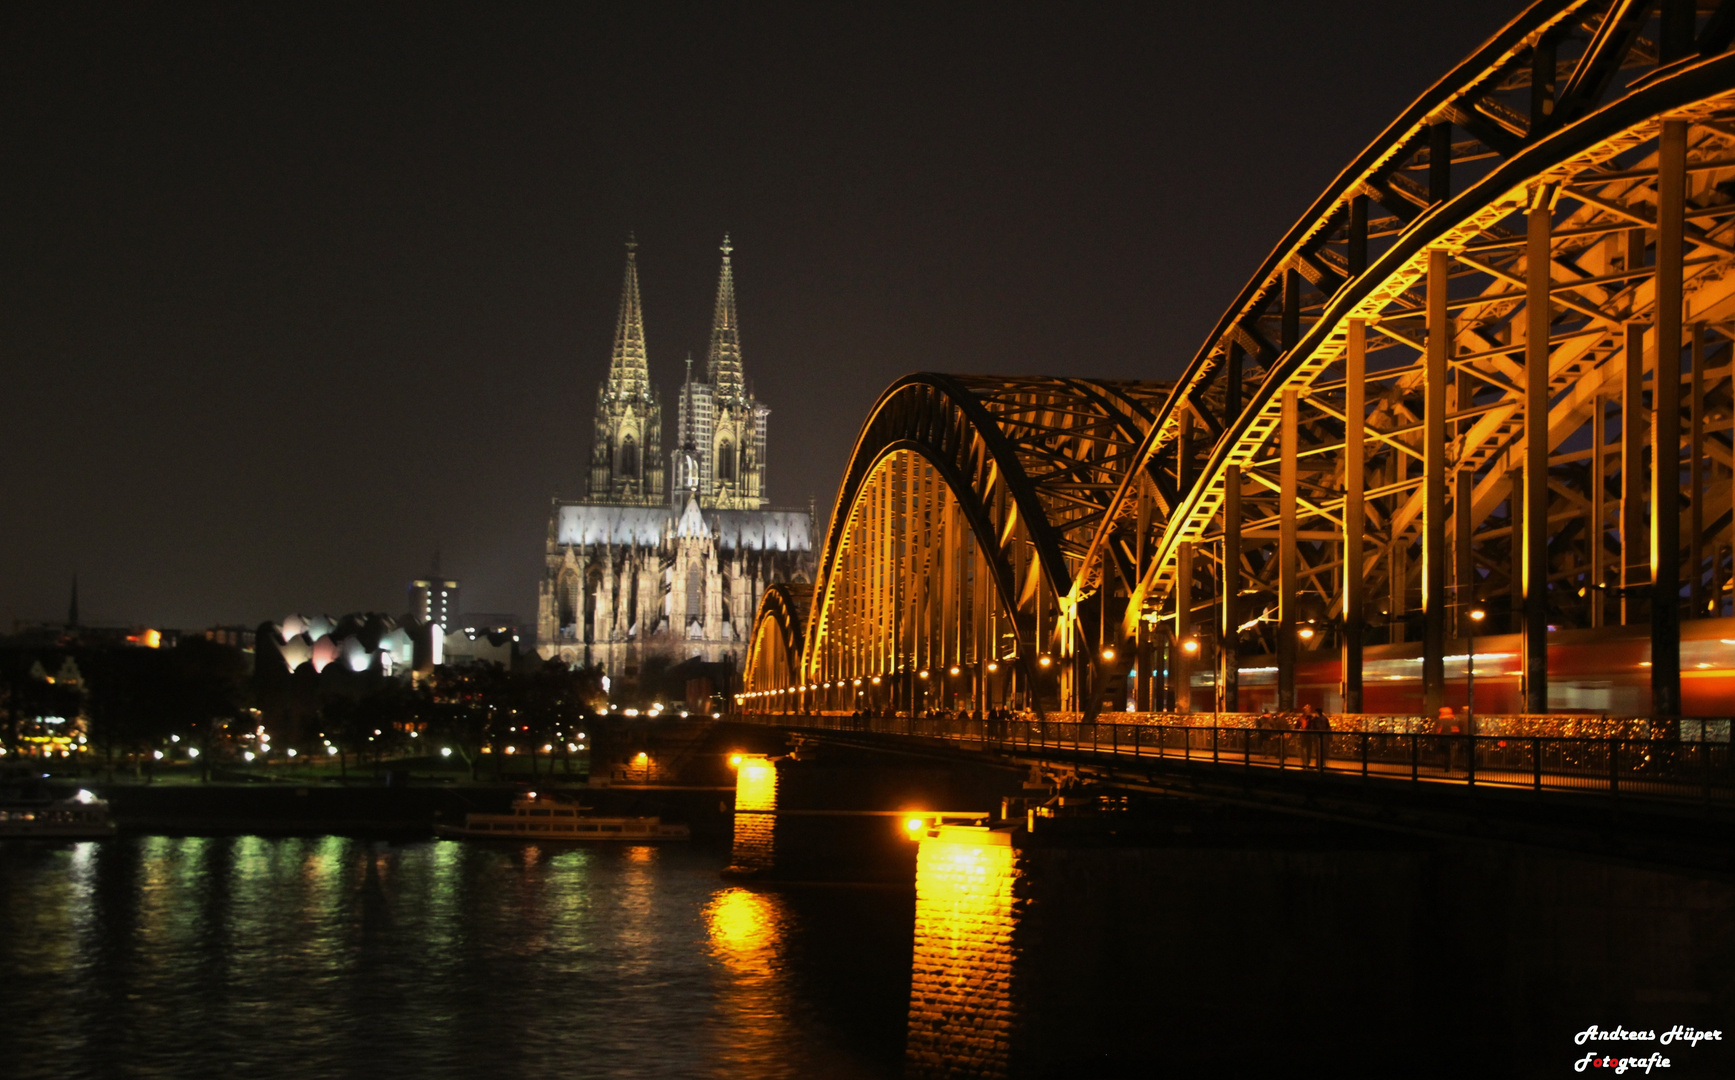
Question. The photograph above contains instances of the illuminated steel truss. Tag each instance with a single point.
(1358, 453)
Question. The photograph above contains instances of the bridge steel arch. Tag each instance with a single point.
(949, 566)
(1441, 394)
(1376, 463)
(779, 629)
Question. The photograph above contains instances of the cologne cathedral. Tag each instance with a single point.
(667, 558)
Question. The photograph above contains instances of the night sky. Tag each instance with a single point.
(294, 294)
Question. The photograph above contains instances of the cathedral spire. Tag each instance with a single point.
(628, 371)
(723, 366)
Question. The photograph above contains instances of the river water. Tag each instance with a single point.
(1237, 946)
(159, 956)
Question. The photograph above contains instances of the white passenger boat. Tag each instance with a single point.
(536, 817)
(28, 810)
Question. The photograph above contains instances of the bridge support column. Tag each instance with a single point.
(1434, 486)
(1288, 579)
(1180, 668)
(1598, 511)
(1696, 475)
(1228, 659)
(1634, 538)
(1537, 277)
(1666, 425)
(1354, 512)
(754, 848)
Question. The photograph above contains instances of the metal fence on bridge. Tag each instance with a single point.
(1698, 767)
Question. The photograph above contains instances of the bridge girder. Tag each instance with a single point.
(1592, 140)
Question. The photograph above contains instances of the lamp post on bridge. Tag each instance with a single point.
(1476, 613)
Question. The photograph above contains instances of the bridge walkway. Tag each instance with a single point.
(1663, 770)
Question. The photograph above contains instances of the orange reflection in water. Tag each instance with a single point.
(746, 930)
(961, 1008)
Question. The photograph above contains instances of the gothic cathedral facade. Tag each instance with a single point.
(669, 563)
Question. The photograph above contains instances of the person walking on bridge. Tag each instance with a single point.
(1315, 727)
(1446, 727)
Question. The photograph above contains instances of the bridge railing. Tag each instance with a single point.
(1697, 767)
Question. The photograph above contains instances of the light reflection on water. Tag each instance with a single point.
(314, 957)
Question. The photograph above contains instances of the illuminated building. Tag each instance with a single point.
(435, 599)
(638, 568)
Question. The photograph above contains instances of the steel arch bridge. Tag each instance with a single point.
(1482, 386)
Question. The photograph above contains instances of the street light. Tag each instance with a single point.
(1477, 614)
(1190, 646)
(1108, 654)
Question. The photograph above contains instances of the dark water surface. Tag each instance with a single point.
(161, 956)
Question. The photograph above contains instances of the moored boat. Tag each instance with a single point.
(535, 817)
(29, 810)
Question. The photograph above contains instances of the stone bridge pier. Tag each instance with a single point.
(822, 812)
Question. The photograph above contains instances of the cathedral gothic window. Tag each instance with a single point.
(695, 594)
(568, 596)
(726, 461)
(629, 457)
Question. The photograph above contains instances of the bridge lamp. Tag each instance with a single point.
(1190, 646)
(922, 674)
(876, 680)
(734, 761)
(1477, 613)
(993, 665)
(858, 682)
(1045, 661)
(1306, 633)
(915, 825)
(953, 669)
(1108, 654)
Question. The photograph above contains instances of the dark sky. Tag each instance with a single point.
(292, 294)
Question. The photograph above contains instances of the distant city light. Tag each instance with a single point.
(445, 751)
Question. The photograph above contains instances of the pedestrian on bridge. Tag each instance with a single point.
(1446, 726)
(1315, 727)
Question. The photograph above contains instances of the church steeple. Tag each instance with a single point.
(626, 464)
(629, 375)
(723, 366)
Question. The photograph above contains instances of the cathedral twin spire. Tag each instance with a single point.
(723, 365)
(721, 429)
(629, 374)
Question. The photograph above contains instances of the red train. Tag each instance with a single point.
(1599, 671)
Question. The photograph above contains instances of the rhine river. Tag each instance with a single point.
(1221, 943)
(157, 956)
